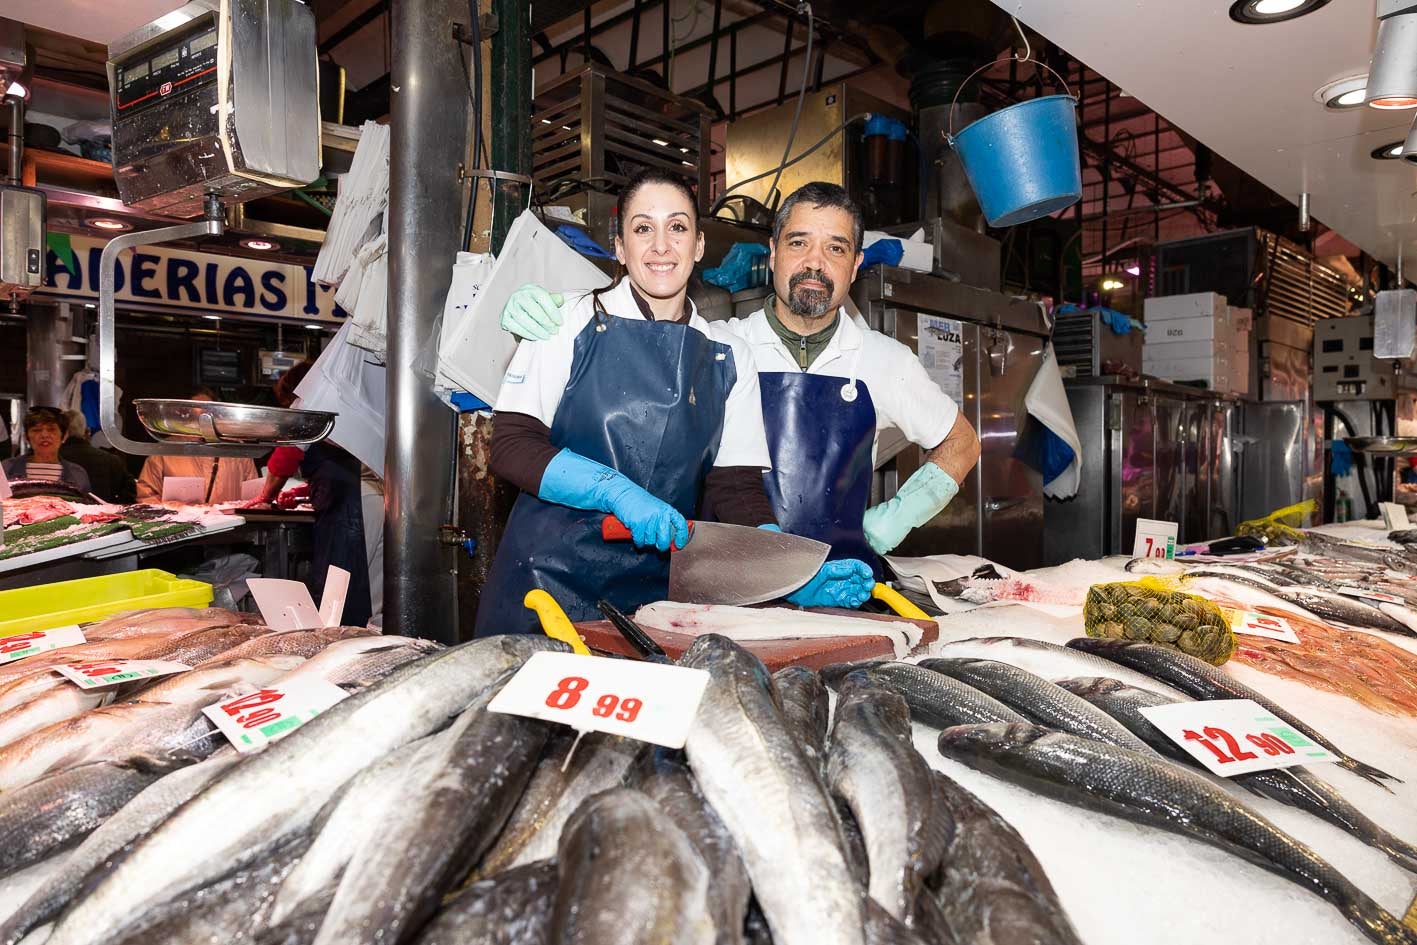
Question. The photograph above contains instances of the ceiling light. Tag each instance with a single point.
(1392, 78)
(1272, 11)
(315, 327)
(212, 318)
(661, 142)
(1347, 92)
(104, 223)
(1111, 284)
(1133, 270)
(1409, 147)
(1388, 152)
(17, 89)
(262, 246)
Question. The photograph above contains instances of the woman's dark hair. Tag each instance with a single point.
(38, 416)
(640, 180)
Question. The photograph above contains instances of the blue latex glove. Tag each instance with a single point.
(844, 583)
(572, 479)
(532, 313)
(1340, 460)
(919, 500)
(886, 252)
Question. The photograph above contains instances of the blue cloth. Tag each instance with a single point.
(658, 425)
(883, 253)
(733, 273)
(1340, 461)
(1121, 324)
(579, 240)
(820, 444)
(88, 404)
(466, 402)
(884, 126)
(1042, 449)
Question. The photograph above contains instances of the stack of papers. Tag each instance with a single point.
(359, 211)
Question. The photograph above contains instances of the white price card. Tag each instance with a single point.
(1260, 625)
(1235, 736)
(651, 702)
(1371, 596)
(1394, 516)
(21, 645)
(100, 673)
(1155, 539)
(287, 605)
(253, 721)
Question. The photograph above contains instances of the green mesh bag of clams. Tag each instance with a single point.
(1152, 611)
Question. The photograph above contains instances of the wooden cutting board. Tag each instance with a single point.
(813, 653)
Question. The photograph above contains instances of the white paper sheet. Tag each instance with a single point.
(941, 349)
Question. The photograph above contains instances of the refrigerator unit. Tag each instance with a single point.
(983, 348)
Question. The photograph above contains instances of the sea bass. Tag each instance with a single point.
(991, 889)
(617, 842)
(1294, 786)
(221, 830)
(771, 799)
(934, 699)
(806, 708)
(1200, 680)
(1149, 790)
(873, 766)
(1048, 660)
(511, 908)
(1038, 699)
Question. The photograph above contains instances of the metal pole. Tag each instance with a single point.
(429, 106)
(17, 137)
(511, 118)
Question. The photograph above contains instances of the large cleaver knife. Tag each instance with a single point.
(734, 564)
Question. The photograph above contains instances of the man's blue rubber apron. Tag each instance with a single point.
(646, 399)
(820, 433)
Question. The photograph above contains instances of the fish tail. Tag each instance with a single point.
(1377, 923)
(1376, 775)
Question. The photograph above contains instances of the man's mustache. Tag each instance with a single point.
(814, 275)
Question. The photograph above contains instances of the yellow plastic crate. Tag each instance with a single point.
(62, 603)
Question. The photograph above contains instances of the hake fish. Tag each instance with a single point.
(805, 707)
(771, 799)
(221, 830)
(664, 777)
(1200, 680)
(990, 888)
(1294, 786)
(873, 767)
(934, 699)
(428, 843)
(1149, 790)
(512, 908)
(1038, 699)
(163, 722)
(621, 840)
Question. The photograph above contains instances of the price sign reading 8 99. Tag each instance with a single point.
(651, 702)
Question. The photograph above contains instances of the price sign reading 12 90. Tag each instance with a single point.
(256, 719)
(1235, 736)
(651, 702)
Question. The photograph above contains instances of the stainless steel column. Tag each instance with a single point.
(429, 108)
(46, 338)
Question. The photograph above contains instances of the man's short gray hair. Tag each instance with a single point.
(821, 194)
(78, 427)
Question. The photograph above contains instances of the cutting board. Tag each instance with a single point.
(813, 653)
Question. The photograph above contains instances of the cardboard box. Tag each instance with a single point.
(1214, 373)
(1168, 307)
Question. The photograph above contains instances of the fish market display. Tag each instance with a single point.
(1295, 786)
(1203, 681)
(1252, 590)
(1154, 792)
(991, 889)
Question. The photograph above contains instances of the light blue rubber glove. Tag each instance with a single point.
(532, 313)
(844, 583)
(919, 500)
(572, 479)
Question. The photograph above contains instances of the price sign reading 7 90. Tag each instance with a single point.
(650, 702)
(1235, 736)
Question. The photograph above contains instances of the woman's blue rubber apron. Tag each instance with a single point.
(646, 399)
(821, 430)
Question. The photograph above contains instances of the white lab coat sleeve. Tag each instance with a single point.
(907, 398)
(744, 441)
(540, 370)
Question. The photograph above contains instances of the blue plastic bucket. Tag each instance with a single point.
(1022, 161)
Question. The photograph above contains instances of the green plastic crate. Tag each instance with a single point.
(45, 606)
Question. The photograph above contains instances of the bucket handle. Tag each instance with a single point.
(949, 135)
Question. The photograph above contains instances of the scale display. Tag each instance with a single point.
(187, 64)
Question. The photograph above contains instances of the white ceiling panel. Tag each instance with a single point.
(99, 21)
(1248, 93)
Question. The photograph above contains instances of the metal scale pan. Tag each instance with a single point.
(1383, 445)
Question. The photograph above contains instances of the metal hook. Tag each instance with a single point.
(1027, 47)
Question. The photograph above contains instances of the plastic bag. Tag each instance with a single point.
(227, 575)
(1280, 527)
(1152, 611)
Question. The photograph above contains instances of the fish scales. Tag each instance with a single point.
(806, 708)
(1149, 790)
(934, 699)
(771, 799)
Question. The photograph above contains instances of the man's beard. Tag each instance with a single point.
(809, 303)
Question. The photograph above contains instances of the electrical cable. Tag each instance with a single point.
(476, 91)
(860, 116)
(797, 113)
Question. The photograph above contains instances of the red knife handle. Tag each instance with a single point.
(612, 529)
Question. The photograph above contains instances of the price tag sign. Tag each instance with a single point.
(1260, 625)
(253, 721)
(1394, 516)
(100, 673)
(1154, 539)
(1363, 593)
(287, 605)
(651, 702)
(21, 645)
(1235, 736)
